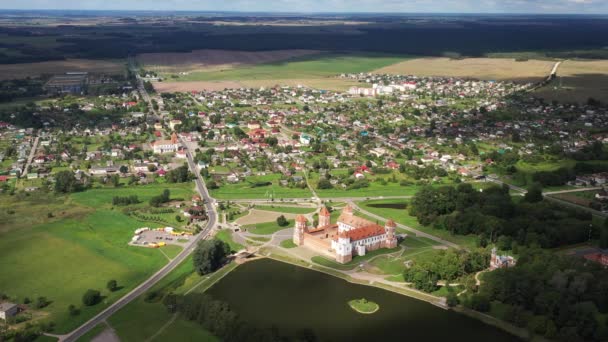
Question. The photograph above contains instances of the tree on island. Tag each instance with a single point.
(210, 255)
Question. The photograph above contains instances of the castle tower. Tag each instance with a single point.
(344, 249)
(391, 238)
(324, 217)
(299, 230)
(493, 263)
(348, 210)
(174, 138)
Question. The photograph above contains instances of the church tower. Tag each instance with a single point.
(391, 238)
(324, 217)
(299, 230)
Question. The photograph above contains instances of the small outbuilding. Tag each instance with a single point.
(8, 310)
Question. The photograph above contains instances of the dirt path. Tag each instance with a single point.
(165, 326)
(107, 335)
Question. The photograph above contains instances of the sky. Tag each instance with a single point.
(308, 6)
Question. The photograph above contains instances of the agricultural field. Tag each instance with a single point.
(213, 60)
(316, 70)
(500, 69)
(60, 246)
(333, 84)
(578, 81)
(108, 67)
(311, 67)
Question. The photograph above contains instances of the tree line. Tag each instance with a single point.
(492, 213)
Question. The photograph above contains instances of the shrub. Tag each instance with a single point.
(91, 297)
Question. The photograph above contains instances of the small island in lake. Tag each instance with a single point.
(363, 306)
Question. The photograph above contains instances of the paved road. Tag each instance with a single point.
(312, 199)
(548, 196)
(210, 206)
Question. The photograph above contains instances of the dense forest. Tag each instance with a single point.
(566, 37)
(492, 214)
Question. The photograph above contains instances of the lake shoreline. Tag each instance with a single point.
(479, 316)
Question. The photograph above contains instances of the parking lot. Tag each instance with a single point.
(154, 237)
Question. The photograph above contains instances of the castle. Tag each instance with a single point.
(351, 236)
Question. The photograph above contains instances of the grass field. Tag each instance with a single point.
(288, 244)
(308, 67)
(109, 67)
(60, 246)
(288, 210)
(267, 228)
(144, 321)
(245, 190)
(577, 81)
(312, 70)
(61, 259)
(478, 68)
(333, 84)
(226, 236)
(102, 197)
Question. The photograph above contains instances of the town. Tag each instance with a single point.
(142, 201)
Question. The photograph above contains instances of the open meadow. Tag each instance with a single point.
(500, 69)
(60, 246)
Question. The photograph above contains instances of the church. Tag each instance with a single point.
(166, 146)
(351, 235)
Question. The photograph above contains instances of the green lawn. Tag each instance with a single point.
(316, 66)
(62, 259)
(286, 210)
(267, 228)
(171, 250)
(226, 236)
(247, 190)
(353, 263)
(288, 244)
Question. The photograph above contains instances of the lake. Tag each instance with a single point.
(268, 292)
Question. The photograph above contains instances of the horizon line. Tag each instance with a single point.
(307, 12)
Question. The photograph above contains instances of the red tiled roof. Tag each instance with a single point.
(324, 212)
(363, 232)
